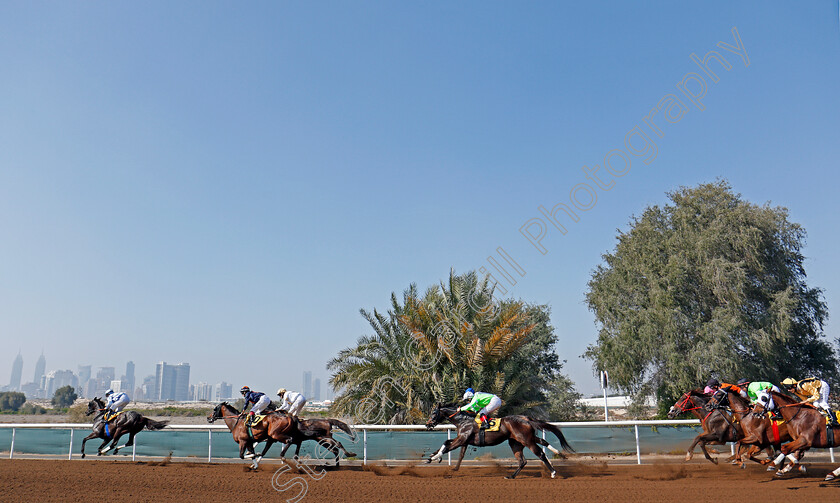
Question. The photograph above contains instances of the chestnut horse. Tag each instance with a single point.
(274, 427)
(519, 431)
(718, 427)
(758, 429)
(807, 427)
(129, 422)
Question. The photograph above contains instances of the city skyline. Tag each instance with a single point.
(175, 385)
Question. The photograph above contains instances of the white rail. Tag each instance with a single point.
(364, 427)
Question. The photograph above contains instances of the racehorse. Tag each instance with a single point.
(319, 430)
(717, 427)
(519, 431)
(272, 428)
(807, 426)
(128, 422)
(758, 428)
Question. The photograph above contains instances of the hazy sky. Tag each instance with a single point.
(226, 184)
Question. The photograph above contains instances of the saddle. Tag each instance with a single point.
(111, 417)
(492, 422)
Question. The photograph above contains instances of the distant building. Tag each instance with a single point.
(307, 383)
(103, 380)
(31, 390)
(117, 386)
(316, 390)
(58, 379)
(17, 372)
(224, 391)
(40, 369)
(204, 392)
(83, 372)
(128, 378)
(172, 382)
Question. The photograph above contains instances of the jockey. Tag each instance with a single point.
(759, 392)
(116, 402)
(260, 401)
(482, 403)
(814, 391)
(291, 401)
(713, 386)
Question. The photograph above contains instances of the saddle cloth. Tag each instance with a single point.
(110, 417)
(257, 419)
(836, 414)
(494, 423)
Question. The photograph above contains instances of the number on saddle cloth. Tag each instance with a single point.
(493, 423)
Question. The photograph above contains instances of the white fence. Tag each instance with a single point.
(364, 429)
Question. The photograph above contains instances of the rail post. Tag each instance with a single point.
(209, 446)
(364, 447)
(732, 448)
(448, 454)
(70, 451)
(638, 450)
(12, 448)
(831, 453)
(134, 449)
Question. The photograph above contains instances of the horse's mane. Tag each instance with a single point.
(784, 399)
(229, 406)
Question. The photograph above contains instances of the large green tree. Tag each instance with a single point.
(428, 348)
(708, 285)
(64, 396)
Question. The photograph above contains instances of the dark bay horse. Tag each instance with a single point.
(128, 422)
(319, 430)
(274, 427)
(757, 428)
(807, 427)
(718, 427)
(519, 431)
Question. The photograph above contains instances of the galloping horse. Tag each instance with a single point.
(717, 427)
(807, 427)
(517, 430)
(274, 427)
(128, 422)
(319, 430)
(758, 429)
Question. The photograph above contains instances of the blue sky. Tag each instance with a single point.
(227, 185)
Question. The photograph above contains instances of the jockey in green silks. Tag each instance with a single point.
(482, 404)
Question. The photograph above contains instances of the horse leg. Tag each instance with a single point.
(516, 447)
(257, 459)
(99, 451)
(460, 458)
(346, 453)
(800, 443)
(84, 440)
(440, 452)
(541, 454)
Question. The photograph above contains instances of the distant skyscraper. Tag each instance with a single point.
(172, 382)
(17, 372)
(204, 392)
(224, 391)
(307, 384)
(55, 379)
(316, 390)
(40, 368)
(84, 374)
(128, 378)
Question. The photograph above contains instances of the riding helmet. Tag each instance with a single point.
(713, 383)
(789, 382)
(281, 391)
(245, 389)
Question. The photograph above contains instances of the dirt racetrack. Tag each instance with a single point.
(84, 481)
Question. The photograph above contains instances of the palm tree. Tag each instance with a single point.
(429, 349)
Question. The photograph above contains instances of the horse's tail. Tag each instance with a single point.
(343, 427)
(151, 424)
(542, 425)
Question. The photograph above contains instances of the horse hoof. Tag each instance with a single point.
(829, 477)
(779, 473)
(553, 474)
(509, 477)
(688, 456)
(802, 469)
(771, 468)
(248, 456)
(83, 455)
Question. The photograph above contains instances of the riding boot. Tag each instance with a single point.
(484, 422)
